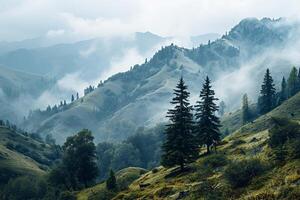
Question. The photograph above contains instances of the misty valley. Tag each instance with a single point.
(144, 116)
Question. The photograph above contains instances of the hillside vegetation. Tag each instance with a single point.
(21, 154)
(245, 167)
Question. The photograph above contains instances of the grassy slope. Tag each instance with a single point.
(125, 176)
(254, 136)
(18, 163)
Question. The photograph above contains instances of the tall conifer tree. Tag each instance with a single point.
(266, 100)
(293, 82)
(283, 92)
(245, 109)
(207, 127)
(180, 146)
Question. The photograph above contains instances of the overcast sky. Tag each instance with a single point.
(20, 19)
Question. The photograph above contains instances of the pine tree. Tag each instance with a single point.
(77, 96)
(180, 146)
(245, 109)
(266, 100)
(293, 82)
(222, 107)
(72, 98)
(283, 92)
(207, 127)
(111, 182)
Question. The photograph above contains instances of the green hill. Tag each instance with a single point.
(245, 157)
(22, 154)
(124, 178)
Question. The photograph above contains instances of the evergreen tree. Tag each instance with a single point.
(77, 96)
(65, 103)
(111, 182)
(293, 82)
(222, 107)
(245, 109)
(72, 98)
(207, 128)
(266, 100)
(80, 158)
(283, 92)
(180, 146)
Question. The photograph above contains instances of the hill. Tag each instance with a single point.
(23, 154)
(18, 91)
(112, 110)
(89, 57)
(214, 176)
(124, 177)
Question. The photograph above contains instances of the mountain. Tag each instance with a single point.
(90, 57)
(204, 38)
(18, 90)
(113, 110)
(23, 154)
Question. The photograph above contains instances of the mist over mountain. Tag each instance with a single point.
(234, 62)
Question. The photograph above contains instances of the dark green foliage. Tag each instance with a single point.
(215, 160)
(208, 124)
(240, 173)
(80, 157)
(246, 116)
(78, 165)
(284, 91)
(125, 155)
(180, 147)
(285, 140)
(237, 142)
(143, 149)
(293, 82)
(282, 131)
(266, 101)
(111, 182)
(24, 188)
(66, 195)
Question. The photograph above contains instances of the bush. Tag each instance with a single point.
(294, 149)
(215, 160)
(24, 188)
(66, 195)
(282, 131)
(240, 173)
(237, 142)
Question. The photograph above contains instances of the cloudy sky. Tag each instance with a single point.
(20, 19)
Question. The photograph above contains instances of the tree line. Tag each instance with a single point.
(269, 98)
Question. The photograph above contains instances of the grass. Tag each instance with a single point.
(207, 178)
(124, 178)
(14, 163)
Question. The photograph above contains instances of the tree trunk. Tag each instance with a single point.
(208, 150)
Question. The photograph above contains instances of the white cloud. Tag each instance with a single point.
(55, 33)
(29, 18)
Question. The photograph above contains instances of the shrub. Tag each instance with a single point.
(294, 149)
(24, 188)
(154, 170)
(215, 160)
(66, 195)
(237, 142)
(240, 173)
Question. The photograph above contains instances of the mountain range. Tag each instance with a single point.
(140, 97)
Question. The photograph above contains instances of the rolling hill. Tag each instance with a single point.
(18, 91)
(23, 154)
(207, 177)
(113, 110)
